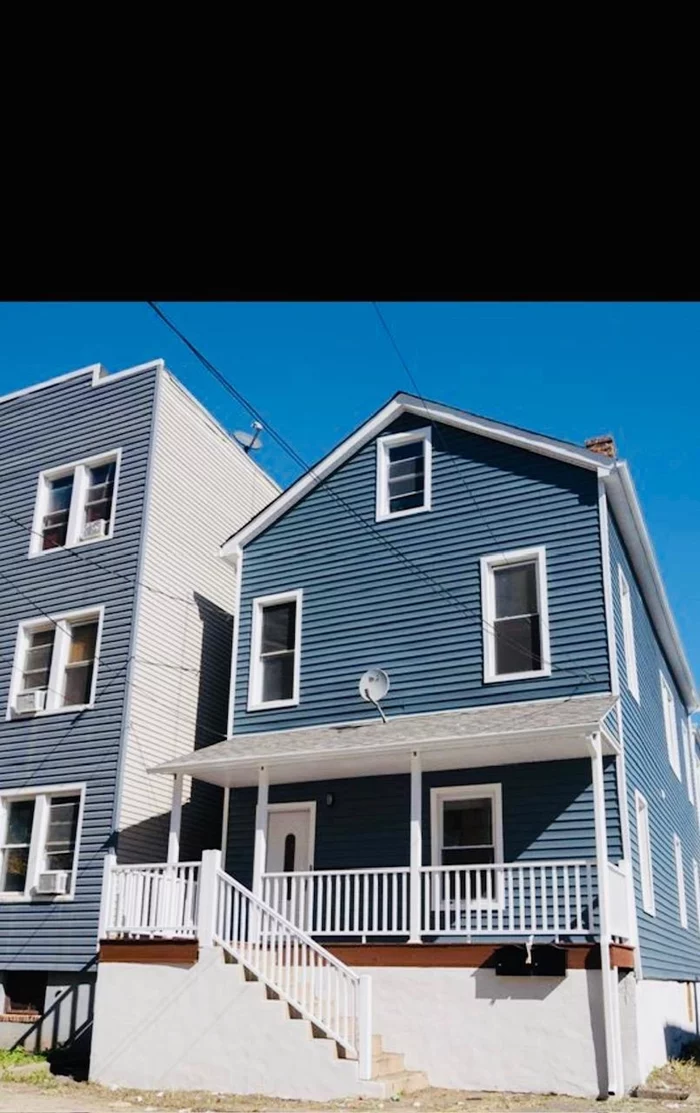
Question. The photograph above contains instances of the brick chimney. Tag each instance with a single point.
(605, 445)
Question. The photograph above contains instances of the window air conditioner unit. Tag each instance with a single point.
(28, 703)
(93, 530)
(52, 883)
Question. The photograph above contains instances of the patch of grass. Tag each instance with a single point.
(682, 1073)
(18, 1057)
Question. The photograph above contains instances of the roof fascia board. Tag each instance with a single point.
(404, 403)
(625, 504)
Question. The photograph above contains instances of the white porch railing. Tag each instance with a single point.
(517, 898)
(342, 902)
(545, 898)
(150, 900)
(315, 983)
(618, 900)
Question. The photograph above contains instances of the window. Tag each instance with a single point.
(688, 759)
(644, 848)
(276, 649)
(38, 842)
(670, 727)
(466, 825)
(55, 664)
(628, 636)
(515, 619)
(696, 884)
(75, 504)
(680, 881)
(404, 474)
(25, 991)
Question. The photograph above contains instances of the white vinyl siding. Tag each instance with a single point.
(628, 636)
(680, 881)
(515, 615)
(404, 474)
(670, 727)
(646, 872)
(202, 488)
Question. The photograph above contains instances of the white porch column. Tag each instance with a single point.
(611, 1004)
(224, 824)
(175, 820)
(416, 848)
(260, 853)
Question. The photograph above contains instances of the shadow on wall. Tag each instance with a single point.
(201, 814)
(682, 1043)
(65, 1028)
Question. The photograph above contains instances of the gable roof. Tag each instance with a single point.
(614, 475)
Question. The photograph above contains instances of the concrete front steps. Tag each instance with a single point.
(388, 1069)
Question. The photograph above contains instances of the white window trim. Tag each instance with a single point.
(680, 881)
(438, 796)
(488, 611)
(668, 708)
(255, 702)
(80, 468)
(628, 643)
(58, 660)
(688, 760)
(696, 884)
(641, 805)
(383, 512)
(38, 837)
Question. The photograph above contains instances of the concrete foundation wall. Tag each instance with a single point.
(667, 1018)
(67, 1016)
(206, 1028)
(471, 1029)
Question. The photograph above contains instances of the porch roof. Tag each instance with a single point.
(541, 730)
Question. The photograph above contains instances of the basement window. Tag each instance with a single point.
(25, 992)
(404, 479)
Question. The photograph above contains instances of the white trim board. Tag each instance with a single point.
(99, 374)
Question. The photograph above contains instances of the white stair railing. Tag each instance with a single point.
(317, 985)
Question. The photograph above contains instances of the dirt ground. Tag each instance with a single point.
(56, 1095)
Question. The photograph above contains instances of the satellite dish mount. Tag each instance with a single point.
(374, 685)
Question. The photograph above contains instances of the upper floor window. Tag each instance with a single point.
(646, 872)
(55, 664)
(75, 504)
(628, 636)
(38, 840)
(275, 651)
(680, 881)
(515, 616)
(688, 758)
(670, 727)
(404, 474)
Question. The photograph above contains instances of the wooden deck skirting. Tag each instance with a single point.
(157, 952)
(580, 956)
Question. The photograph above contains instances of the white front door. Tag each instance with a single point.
(290, 839)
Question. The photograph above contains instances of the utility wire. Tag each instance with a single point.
(382, 538)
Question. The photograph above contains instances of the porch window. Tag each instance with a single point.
(38, 840)
(515, 615)
(404, 481)
(275, 653)
(466, 825)
(75, 504)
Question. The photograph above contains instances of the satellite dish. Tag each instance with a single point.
(249, 441)
(374, 685)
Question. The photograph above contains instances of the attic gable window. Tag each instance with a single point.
(404, 474)
(515, 615)
(75, 504)
(275, 651)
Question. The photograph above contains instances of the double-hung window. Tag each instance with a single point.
(467, 830)
(670, 726)
(38, 841)
(275, 651)
(404, 474)
(628, 635)
(680, 881)
(515, 615)
(55, 663)
(646, 874)
(75, 504)
(688, 759)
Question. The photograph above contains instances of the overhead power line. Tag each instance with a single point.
(380, 537)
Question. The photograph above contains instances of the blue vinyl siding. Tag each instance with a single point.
(667, 950)
(547, 813)
(58, 425)
(363, 606)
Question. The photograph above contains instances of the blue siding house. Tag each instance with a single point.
(87, 477)
(459, 754)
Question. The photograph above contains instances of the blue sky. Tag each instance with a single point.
(318, 370)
